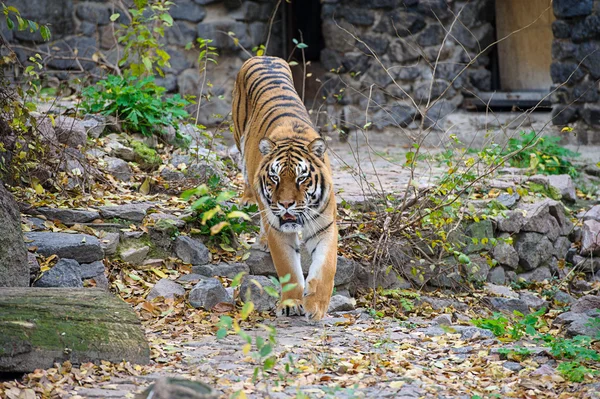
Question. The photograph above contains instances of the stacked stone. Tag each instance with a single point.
(80, 29)
(408, 36)
(576, 61)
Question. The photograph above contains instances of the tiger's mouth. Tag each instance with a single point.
(288, 218)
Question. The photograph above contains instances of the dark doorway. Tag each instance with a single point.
(302, 23)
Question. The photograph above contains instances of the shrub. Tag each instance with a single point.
(541, 154)
(138, 102)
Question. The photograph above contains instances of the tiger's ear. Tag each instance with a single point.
(318, 147)
(265, 146)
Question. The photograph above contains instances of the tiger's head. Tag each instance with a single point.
(293, 182)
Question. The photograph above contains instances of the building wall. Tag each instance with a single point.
(576, 61)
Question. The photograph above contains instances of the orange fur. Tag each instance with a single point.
(287, 173)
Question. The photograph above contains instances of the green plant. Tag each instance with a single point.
(497, 325)
(540, 154)
(218, 218)
(263, 354)
(594, 323)
(139, 103)
(517, 353)
(575, 372)
(23, 23)
(143, 51)
(577, 348)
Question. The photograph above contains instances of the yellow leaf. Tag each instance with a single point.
(158, 273)
(396, 384)
(145, 187)
(216, 229)
(246, 349)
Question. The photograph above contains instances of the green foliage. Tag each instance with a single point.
(575, 371)
(23, 23)
(143, 52)
(145, 154)
(216, 217)
(578, 348)
(517, 353)
(139, 103)
(497, 325)
(594, 323)
(541, 154)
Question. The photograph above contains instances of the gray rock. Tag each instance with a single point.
(14, 268)
(169, 174)
(510, 222)
(582, 326)
(506, 254)
(507, 304)
(588, 264)
(561, 247)
(67, 215)
(34, 265)
(109, 243)
(121, 151)
(345, 271)
(478, 231)
(135, 256)
(133, 212)
(70, 131)
(94, 125)
(572, 8)
(564, 185)
(91, 270)
(512, 366)
(501, 290)
(591, 214)
(532, 301)
(442, 320)
(590, 239)
(98, 14)
(192, 277)
(81, 247)
(250, 291)
(508, 200)
(533, 249)
(165, 288)
(261, 263)
(470, 333)
(188, 11)
(208, 293)
(562, 72)
(497, 275)
(340, 303)
(167, 218)
(537, 275)
(586, 303)
(66, 273)
(191, 250)
(118, 168)
(229, 270)
(563, 297)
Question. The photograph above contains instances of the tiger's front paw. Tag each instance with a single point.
(316, 299)
(290, 307)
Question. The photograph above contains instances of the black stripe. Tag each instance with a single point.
(278, 107)
(261, 67)
(267, 88)
(278, 97)
(272, 76)
(286, 114)
(316, 233)
(315, 248)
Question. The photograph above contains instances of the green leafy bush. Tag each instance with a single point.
(574, 371)
(140, 104)
(541, 154)
(216, 217)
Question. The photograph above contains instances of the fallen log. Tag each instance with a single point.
(43, 326)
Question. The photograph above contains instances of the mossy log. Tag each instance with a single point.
(43, 326)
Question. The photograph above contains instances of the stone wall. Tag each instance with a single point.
(576, 61)
(82, 30)
(423, 44)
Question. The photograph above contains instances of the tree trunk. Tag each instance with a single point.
(43, 326)
(14, 267)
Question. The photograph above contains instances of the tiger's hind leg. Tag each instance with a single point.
(285, 251)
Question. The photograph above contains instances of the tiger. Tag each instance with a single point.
(287, 173)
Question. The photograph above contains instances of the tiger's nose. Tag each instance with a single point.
(287, 204)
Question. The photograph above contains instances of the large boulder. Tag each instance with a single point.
(14, 266)
(83, 248)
